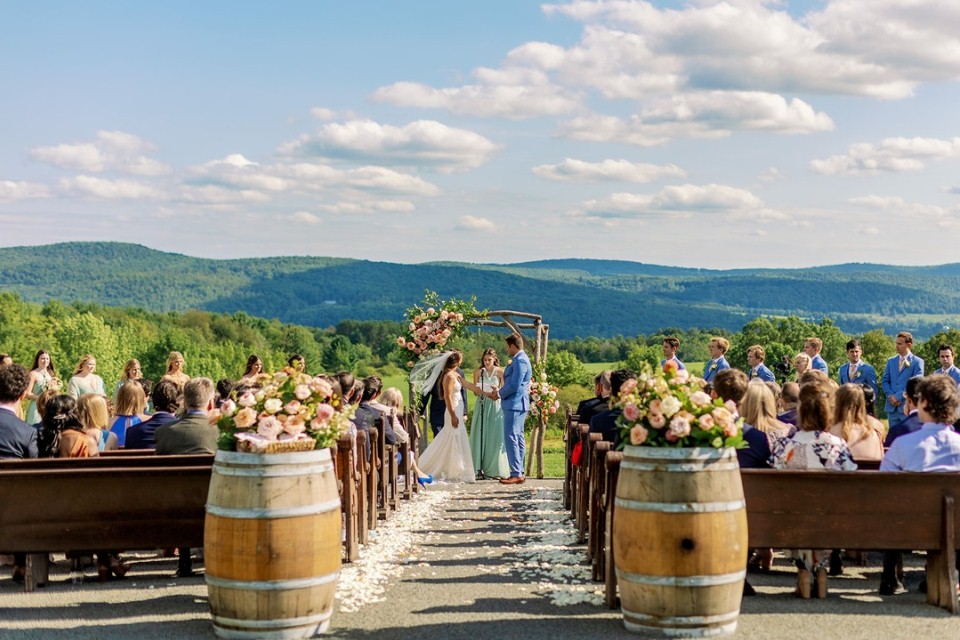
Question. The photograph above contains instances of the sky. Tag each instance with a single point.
(714, 134)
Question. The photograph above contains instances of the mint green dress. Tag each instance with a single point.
(33, 416)
(486, 431)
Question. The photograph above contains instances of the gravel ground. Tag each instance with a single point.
(471, 562)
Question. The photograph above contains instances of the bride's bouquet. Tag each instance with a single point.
(284, 411)
(671, 409)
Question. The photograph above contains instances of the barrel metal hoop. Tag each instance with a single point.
(302, 621)
(681, 581)
(681, 507)
(681, 632)
(273, 585)
(274, 471)
(258, 459)
(253, 513)
(681, 467)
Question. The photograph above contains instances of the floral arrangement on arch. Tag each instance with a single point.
(433, 323)
(543, 395)
(671, 409)
(284, 411)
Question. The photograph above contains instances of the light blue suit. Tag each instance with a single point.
(515, 402)
(680, 365)
(865, 374)
(710, 369)
(953, 372)
(895, 384)
(762, 372)
(820, 364)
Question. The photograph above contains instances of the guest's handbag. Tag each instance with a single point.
(577, 453)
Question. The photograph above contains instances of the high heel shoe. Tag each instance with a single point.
(822, 582)
(119, 569)
(425, 481)
(803, 583)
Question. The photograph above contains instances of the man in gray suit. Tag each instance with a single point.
(191, 434)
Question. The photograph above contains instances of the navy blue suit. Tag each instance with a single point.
(17, 438)
(757, 453)
(589, 408)
(908, 425)
(142, 436)
(605, 423)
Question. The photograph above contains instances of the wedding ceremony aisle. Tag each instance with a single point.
(461, 562)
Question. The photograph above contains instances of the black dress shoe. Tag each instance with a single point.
(748, 589)
(891, 588)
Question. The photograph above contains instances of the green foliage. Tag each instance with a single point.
(563, 368)
(641, 356)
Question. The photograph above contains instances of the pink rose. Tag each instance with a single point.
(657, 420)
(247, 399)
(401, 341)
(638, 435)
(410, 346)
(324, 412)
(628, 386)
(269, 427)
(731, 429)
(656, 406)
(679, 428)
(682, 375)
(294, 425)
(228, 408)
(731, 406)
(245, 418)
(631, 412)
(431, 311)
(292, 407)
(301, 392)
(700, 398)
(706, 422)
(412, 327)
(272, 405)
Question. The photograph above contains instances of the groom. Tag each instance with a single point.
(515, 401)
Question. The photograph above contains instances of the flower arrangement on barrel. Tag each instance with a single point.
(284, 411)
(671, 409)
(434, 323)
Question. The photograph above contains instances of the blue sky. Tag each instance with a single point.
(744, 133)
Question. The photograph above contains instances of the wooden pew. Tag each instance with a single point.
(844, 509)
(587, 475)
(351, 494)
(80, 504)
(408, 423)
(595, 517)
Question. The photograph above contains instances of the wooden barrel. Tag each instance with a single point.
(272, 544)
(680, 541)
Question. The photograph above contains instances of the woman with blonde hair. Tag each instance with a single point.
(850, 422)
(95, 418)
(84, 379)
(802, 362)
(392, 398)
(175, 373)
(759, 409)
(129, 410)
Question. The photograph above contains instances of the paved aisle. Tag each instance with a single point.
(474, 562)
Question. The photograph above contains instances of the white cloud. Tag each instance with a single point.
(608, 170)
(475, 223)
(891, 155)
(322, 113)
(23, 190)
(771, 174)
(424, 143)
(676, 200)
(111, 151)
(305, 217)
(900, 206)
(109, 189)
(368, 206)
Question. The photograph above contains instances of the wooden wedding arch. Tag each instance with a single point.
(520, 322)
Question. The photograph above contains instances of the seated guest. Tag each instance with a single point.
(147, 385)
(850, 423)
(224, 387)
(393, 404)
(870, 400)
(369, 413)
(911, 421)
(817, 377)
(129, 411)
(5, 359)
(605, 422)
(789, 399)
(592, 406)
(190, 435)
(933, 447)
(61, 434)
(92, 410)
(167, 399)
(813, 448)
(758, 409)
(17, 438)
(730, 385)
(42, 401)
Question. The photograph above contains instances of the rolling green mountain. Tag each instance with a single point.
(576, 297)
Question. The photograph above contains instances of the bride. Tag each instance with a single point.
(448, 457)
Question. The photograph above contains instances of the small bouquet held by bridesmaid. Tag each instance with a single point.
(671, 409)
(284, 411)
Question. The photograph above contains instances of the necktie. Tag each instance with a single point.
(853, 371)
(903, 363)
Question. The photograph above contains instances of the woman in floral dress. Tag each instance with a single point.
(813, 448)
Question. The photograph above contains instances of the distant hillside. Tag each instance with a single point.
(576, 297)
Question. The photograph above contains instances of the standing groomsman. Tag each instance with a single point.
(857, 371)
(717, 362)
(755, 358)
(812, 347)
(947, 368)
(898, 370)
(670, 347)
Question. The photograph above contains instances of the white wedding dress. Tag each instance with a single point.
(448, 457)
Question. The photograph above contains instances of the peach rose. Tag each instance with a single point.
(269, 427)
(638, 435)
(245, 418)
(247, 399)
(228, 408)
(657, 420)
